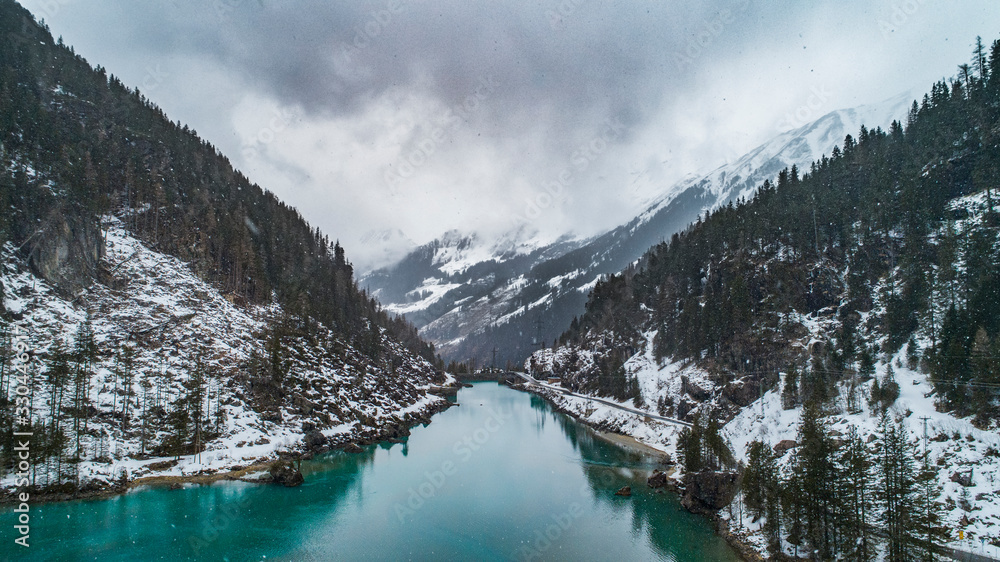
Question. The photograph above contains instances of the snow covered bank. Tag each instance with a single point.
(174, 324)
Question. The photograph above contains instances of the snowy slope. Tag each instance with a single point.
(799, 147)
(155, 304)
(955, 445)
(497, 289)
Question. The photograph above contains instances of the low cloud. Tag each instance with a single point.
(329, 103)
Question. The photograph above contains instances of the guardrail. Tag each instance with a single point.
(650, 415)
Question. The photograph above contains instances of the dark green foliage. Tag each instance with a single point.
(108, 150)
(872, 217)
(690, 446)
(856, 499)
(909, 514)
(816, 475)
(761, 487)
(790, 390)
(702, 447)
(884, 393)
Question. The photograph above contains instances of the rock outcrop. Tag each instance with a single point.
(284, 472)
(708, 492)
(66, 253)
(784, 445)
(314, 440)
(657, 480)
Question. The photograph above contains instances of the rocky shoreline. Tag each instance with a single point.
(312, 445)
(744, 549)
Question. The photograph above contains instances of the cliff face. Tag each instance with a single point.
(66, 253)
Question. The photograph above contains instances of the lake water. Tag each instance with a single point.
(500, 477)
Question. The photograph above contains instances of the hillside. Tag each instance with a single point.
(829, 313)
(171, 308)
(469, 295)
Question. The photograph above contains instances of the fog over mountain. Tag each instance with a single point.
(388, 123)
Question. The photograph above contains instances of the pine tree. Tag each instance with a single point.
(128, 374)
(896, 487)
(790, 391)
(57, 376)
(856, 499)
(84, 354)
(927, 534)
(818, 476)
(689, 443)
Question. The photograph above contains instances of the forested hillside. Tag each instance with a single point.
(873, 238)
(840, 328)
(78, 144)
(168, 301)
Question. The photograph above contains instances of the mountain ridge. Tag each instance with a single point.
(500, 299)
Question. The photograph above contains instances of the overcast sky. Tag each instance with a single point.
(429, 115)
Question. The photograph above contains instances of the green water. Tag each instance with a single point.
(500, 477)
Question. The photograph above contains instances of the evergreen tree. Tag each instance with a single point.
(897, 485)
(927, 533)
(689, 444)
(818, 476)
(856, 501)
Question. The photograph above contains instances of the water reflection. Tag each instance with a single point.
(500, 477)
(608, 467)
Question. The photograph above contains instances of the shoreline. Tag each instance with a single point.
(629, 442)
(101, 490)
(743, 549)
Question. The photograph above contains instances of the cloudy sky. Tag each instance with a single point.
(426, 116)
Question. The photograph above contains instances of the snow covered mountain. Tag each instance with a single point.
(174, 325)
(467, 294)
(392, 245)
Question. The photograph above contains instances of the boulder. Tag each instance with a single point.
(963, 479)
(284, 472)
(304, 405)
(783, 446)
(693, 390)
(741, 393)
(67, 252)
(657, 480)
(624, 491)
(353, 448)
(708, 491)
(162, 465)
(314, 440)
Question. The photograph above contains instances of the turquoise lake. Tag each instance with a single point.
(500, 477)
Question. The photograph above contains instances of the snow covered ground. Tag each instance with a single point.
(954, 444)
(159, 307)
